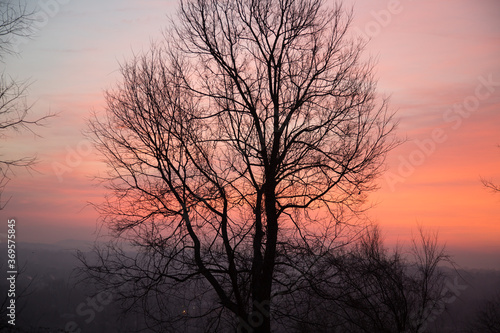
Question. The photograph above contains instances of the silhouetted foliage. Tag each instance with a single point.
(240, 151)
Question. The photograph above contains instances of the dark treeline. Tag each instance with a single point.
(55, 297)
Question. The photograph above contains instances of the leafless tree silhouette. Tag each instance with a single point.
(239, 151)
(487, 317)
(14, 23)
(374, 290)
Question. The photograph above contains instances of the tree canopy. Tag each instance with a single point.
(239, 149)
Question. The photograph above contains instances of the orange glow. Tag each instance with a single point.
(431, 56)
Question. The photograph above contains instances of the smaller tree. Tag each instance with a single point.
(374, 290)
(487, 318)
(14, 23)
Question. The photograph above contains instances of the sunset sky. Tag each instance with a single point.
(438, 60)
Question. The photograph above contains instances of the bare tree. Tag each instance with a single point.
(238, 151)
(14, 23)
(487, 318)
(372, 289)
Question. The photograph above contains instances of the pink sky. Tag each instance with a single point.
(431, 55)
